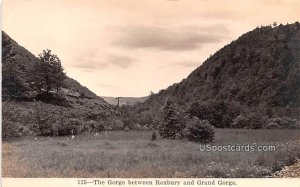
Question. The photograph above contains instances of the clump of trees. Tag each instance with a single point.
(48, 73)
(219, 113)
(252, 120)
(176, 124)
(43, 78)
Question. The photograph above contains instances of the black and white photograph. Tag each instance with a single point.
(151, 89)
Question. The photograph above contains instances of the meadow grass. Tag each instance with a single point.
(133, 154)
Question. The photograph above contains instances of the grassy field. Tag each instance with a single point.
(133, 154)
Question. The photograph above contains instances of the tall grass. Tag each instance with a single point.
(133, 154)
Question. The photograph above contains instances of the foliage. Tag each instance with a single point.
(135, 114)
(51, 124)
(9, 130)
(10, 127)
(199, 131)
(258, 70)
(282, 122)
(218, 113)
(240, 122)
(171, 125)
(12, 87)
(114, 124)
(48, 73)
(94, 126)
(252, 120)
(53, 98)
(154, 136)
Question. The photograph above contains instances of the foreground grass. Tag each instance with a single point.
(133, 154)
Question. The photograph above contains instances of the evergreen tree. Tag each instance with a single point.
(171, 125)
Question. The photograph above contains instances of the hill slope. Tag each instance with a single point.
(261, 69)
(22, 61)
(75, 101)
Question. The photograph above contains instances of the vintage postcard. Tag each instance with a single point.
(150, 92)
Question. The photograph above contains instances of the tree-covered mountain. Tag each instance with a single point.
(257, 73)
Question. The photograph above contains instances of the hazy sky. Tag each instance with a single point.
(132, 47)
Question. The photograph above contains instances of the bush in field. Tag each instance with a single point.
(54, 124)
(199, 131)
(171, 125)
(256, 120)
(137, 126)
(253, 120)
(126, 128)
(240, 122)
(94, 126)
(154, 136)
(114, 124)
(45, 125)
(9, 130)
(218, 113)
(282, 122)
(70, 127)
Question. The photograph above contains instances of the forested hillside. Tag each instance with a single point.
(258, 75)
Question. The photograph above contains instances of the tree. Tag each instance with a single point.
(48, 73)
(171, 124)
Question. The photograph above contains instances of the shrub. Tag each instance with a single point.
(114, 124)
(199, 131)
(94, 126)
(44, 127)
(218, 113)
(9, 130)
(55, 126)
(154, 136)
(282, 122)
(55, 99)
(126, 129)
(69, 128)
(240, 122)
(250, 121)
(272, 125)
(256, 120)
(137, 126)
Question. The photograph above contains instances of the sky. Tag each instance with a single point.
(131, 47)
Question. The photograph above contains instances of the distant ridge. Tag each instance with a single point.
(124, 100)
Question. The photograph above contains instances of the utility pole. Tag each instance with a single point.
(118, 98)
